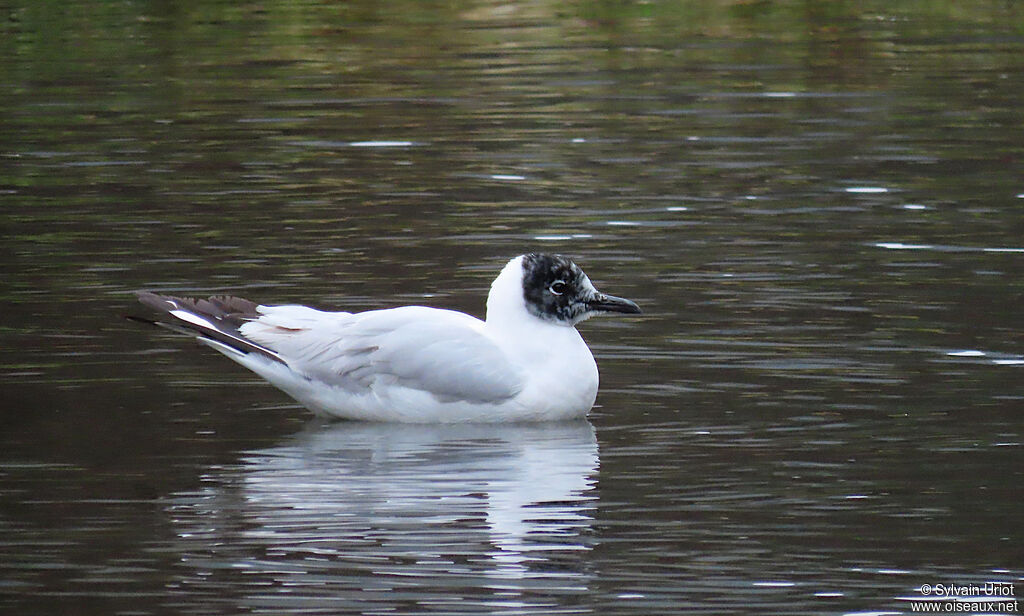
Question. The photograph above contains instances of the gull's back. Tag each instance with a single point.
(373, 363)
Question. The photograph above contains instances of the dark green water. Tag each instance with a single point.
(817, 204)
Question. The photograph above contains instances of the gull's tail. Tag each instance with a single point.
(213, 321)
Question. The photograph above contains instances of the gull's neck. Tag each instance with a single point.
(505, 303)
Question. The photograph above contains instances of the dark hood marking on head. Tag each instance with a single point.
(540, 271)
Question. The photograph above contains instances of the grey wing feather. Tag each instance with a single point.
(462, 365)
(437, 351)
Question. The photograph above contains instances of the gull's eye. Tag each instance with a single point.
(557, 287)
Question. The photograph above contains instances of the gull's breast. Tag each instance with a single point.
(560, 375)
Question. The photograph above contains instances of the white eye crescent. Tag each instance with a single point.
(557, 287)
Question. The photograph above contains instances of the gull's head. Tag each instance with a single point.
(551, 288)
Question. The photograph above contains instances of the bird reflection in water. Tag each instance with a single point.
(380, 507)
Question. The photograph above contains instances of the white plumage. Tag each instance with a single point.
(525, 362)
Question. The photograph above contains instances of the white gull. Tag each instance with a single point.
(525, 362)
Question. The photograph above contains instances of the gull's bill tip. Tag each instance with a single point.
(610, 303)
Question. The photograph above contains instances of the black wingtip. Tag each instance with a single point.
(217, 318)
(159, 303)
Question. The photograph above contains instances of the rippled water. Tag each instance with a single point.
(818, 207)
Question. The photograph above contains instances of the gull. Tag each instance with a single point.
(414, 364)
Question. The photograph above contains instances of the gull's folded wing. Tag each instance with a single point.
(441, 352)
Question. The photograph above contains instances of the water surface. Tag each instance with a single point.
(817, 207)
